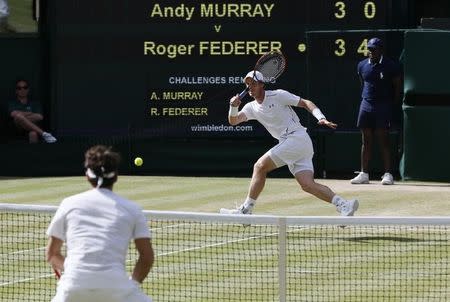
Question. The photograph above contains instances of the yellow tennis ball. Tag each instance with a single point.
(138, 161)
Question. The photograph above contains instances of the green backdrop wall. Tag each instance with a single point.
(426, 108)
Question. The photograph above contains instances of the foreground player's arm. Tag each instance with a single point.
(234, 116)
(53, 253)
(145, 260)
(314, 110)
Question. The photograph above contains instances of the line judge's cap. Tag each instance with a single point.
(255, 75)
(375, 43)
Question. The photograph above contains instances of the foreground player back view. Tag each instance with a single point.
(97, 226)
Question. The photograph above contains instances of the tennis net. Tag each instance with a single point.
(209, 257)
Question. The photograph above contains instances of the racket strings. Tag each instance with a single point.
(271, 66)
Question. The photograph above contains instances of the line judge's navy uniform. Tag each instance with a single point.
(377, 95)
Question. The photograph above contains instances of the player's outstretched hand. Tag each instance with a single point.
(327, 123)
(235, 101)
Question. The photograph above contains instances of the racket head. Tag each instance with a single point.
(271, 65)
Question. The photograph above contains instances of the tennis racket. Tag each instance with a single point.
(271, 65)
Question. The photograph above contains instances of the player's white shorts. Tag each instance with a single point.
(100, 295)
(294, 150)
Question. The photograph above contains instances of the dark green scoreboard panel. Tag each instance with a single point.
(332, 70)
(168, 68)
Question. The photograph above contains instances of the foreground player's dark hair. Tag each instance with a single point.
(102, 165)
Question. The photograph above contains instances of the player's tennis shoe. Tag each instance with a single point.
(361, 178)
(48, 138)
(348, 207)
(387, 179)
(241, 210)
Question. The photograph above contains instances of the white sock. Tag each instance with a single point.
(249, 202)
(337, 200)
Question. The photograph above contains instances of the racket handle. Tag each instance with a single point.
(243, 93)
(57, 274)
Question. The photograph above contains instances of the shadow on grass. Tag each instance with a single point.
(367, 239)
(422, 185)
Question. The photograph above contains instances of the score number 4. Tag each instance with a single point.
(370, 10)
(341, 50)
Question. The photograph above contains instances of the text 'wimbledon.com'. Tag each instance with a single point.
(220, 128)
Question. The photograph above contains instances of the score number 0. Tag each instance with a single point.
(370, 10)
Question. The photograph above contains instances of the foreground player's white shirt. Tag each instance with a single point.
(97, 226)
(275, 112)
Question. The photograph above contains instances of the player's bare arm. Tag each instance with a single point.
(234, 116)
(361, 81)
(34, 117)
(53, 253)
(145, 260)
(314, 110)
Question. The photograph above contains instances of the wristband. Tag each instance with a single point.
(234, 111)
(318, 114)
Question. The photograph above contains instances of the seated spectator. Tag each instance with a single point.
(27, 114)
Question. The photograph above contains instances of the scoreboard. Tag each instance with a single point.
(332, 70)
(168, 68)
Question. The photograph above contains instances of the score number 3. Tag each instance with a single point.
(370, 10)
(340, 51)
(340, 47)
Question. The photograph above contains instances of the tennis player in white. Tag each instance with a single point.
(97, 227)
(272, 108)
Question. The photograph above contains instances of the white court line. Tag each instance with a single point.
(43, 247)
(153, 230)
(26, 251)
(27, 279)
(162, 254)
(217, 244)
(176, 252)
(226, 242)
(221, 243)
(271, 271)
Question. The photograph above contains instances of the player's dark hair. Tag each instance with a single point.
(102, 165)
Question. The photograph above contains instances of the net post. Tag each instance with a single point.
(282, 258)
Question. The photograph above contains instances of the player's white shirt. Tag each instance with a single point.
(275, 112)
(97, 226)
